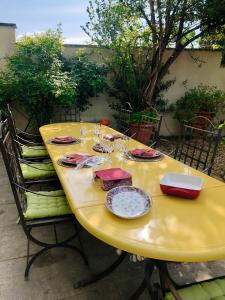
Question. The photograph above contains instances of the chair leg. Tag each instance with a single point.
(80, 240)
(39, 253)
(102, 274)
(139, 291)
(55, 232)
(29, 263)
(146, 283)
(28, 251)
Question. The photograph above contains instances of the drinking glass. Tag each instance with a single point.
(83, 130)
(109, 147)
(122, 146)
(97, 130)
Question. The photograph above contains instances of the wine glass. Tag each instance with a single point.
(109, 147)
(122, 145)
(83, 130)
(97, 130)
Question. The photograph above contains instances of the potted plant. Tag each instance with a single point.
(142, 125)
(202, 100)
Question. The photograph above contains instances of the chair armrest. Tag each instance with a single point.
(156, 145)
(34, 192)
(33, 147)
(28, 134)
(31, 165)
(29, 142)
(27, 161)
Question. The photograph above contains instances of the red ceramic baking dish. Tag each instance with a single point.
(181, 185)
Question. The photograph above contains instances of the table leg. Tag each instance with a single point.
(156, 290)
(146, 283)
(98, 276)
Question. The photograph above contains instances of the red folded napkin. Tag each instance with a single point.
(63, 138)
(145, 152)
(76, 158)
(112, 174)
(110, 178)
(113, 137)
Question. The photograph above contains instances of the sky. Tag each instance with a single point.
(39, 15)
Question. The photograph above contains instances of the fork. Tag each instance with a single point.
(80, 165)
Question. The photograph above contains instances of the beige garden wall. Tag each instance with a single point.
(7, 41)
(190, 69)
(193, 67)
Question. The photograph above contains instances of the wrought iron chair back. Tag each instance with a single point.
(20, 137)
(124, 120)
(197, 145)
(12, 128)
(65, 114)
(151, 126)
(14, 159)
(13, 171)
(19, 189)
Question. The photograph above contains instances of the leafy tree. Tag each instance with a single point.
(34, 77)
(215, 41)
(139, 32)
(88, 76)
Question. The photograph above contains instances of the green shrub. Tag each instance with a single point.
(38, 78)
(34, 77)
(199, 99)
(89, 78)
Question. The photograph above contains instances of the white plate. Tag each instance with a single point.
(182, 181)
(128, 202)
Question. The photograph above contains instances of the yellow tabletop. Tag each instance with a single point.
(174, 229)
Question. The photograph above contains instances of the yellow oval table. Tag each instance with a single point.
(174, 229)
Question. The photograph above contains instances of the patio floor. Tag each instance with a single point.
(53, 274)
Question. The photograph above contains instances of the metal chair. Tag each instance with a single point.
(29, 146)
(165, 288)
(65, 114)
(123, 120)
(25, 202)
(29, 172)
(197, 145)
(28, 137)
(151, 128)
(145, 130)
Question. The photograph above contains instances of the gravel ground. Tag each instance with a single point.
(219, 164)
(218, 170)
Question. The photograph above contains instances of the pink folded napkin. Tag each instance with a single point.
(110, 178)
(145, 152)
(76, 158)
(112, 174)
(63, 138)
(113, 137)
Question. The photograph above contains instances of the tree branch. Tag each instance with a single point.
(152, 14)
(147, 19)
(177, 51)
(181, 23)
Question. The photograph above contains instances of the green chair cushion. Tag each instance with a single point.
(35, 151)
(211, 290)
(32, 173)
(45, 206)
(193, 292)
